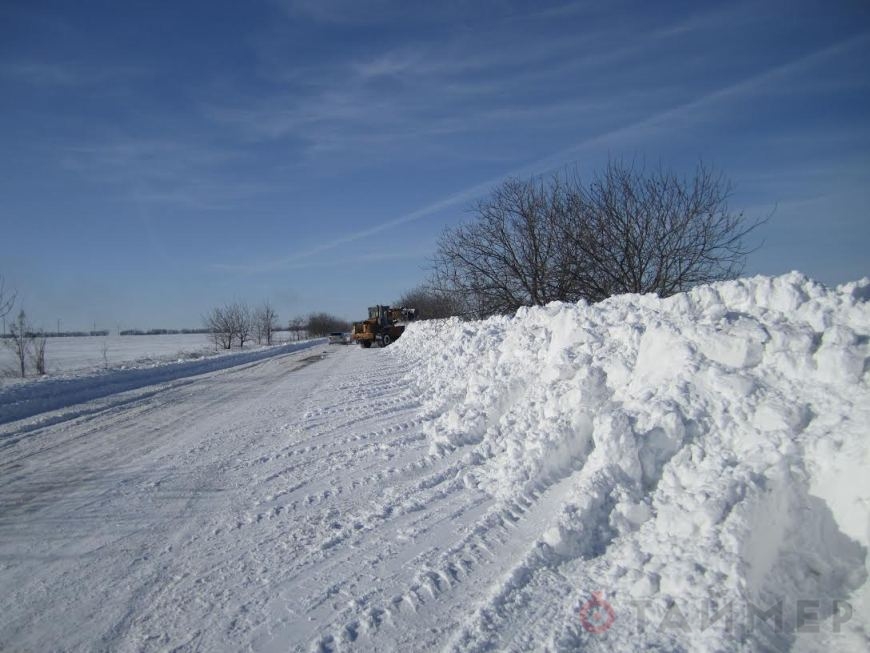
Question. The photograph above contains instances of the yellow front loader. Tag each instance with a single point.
(383, 326)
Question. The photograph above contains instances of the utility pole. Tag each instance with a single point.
(58, 326)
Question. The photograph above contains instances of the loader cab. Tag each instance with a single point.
(379, 313)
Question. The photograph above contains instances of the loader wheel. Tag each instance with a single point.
(387, 340)
(365, 344)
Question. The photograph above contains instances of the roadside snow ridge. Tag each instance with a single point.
(715, 447)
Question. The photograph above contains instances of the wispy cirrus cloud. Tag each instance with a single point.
(697, 109)
(372, 12)
(178, 172)
(337, 11)
(65, 74)
(402, 95)
(306, 263)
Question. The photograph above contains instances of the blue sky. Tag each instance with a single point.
(159, 158)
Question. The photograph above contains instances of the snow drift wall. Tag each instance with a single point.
(715, 443)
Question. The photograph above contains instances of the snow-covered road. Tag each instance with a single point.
(277, 506)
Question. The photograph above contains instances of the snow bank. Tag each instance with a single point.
(715, 444)
(26, 399)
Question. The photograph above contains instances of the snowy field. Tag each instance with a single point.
(64, 355)
(681, 474)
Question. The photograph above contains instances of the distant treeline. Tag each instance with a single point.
(164, 332)
(160, 332)
(60, 334)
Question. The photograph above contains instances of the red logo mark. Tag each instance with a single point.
(597, 615)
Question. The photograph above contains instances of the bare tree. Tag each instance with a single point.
(19, 341)
(104, 350)
(259, 332)
(221, 327)
(229, 323)
(266, 322)
(22, 339)
(630, 231)
(7, 298)
(532, 242)
(510, 255)
(243, 322)
(321, 324)
(431, 303)
(296, 326)
(39, 340)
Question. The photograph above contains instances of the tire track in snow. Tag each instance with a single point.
(298, 528)
(148, 471)
(493, 538)
(288, 514)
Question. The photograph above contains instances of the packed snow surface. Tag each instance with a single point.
(687, 473)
